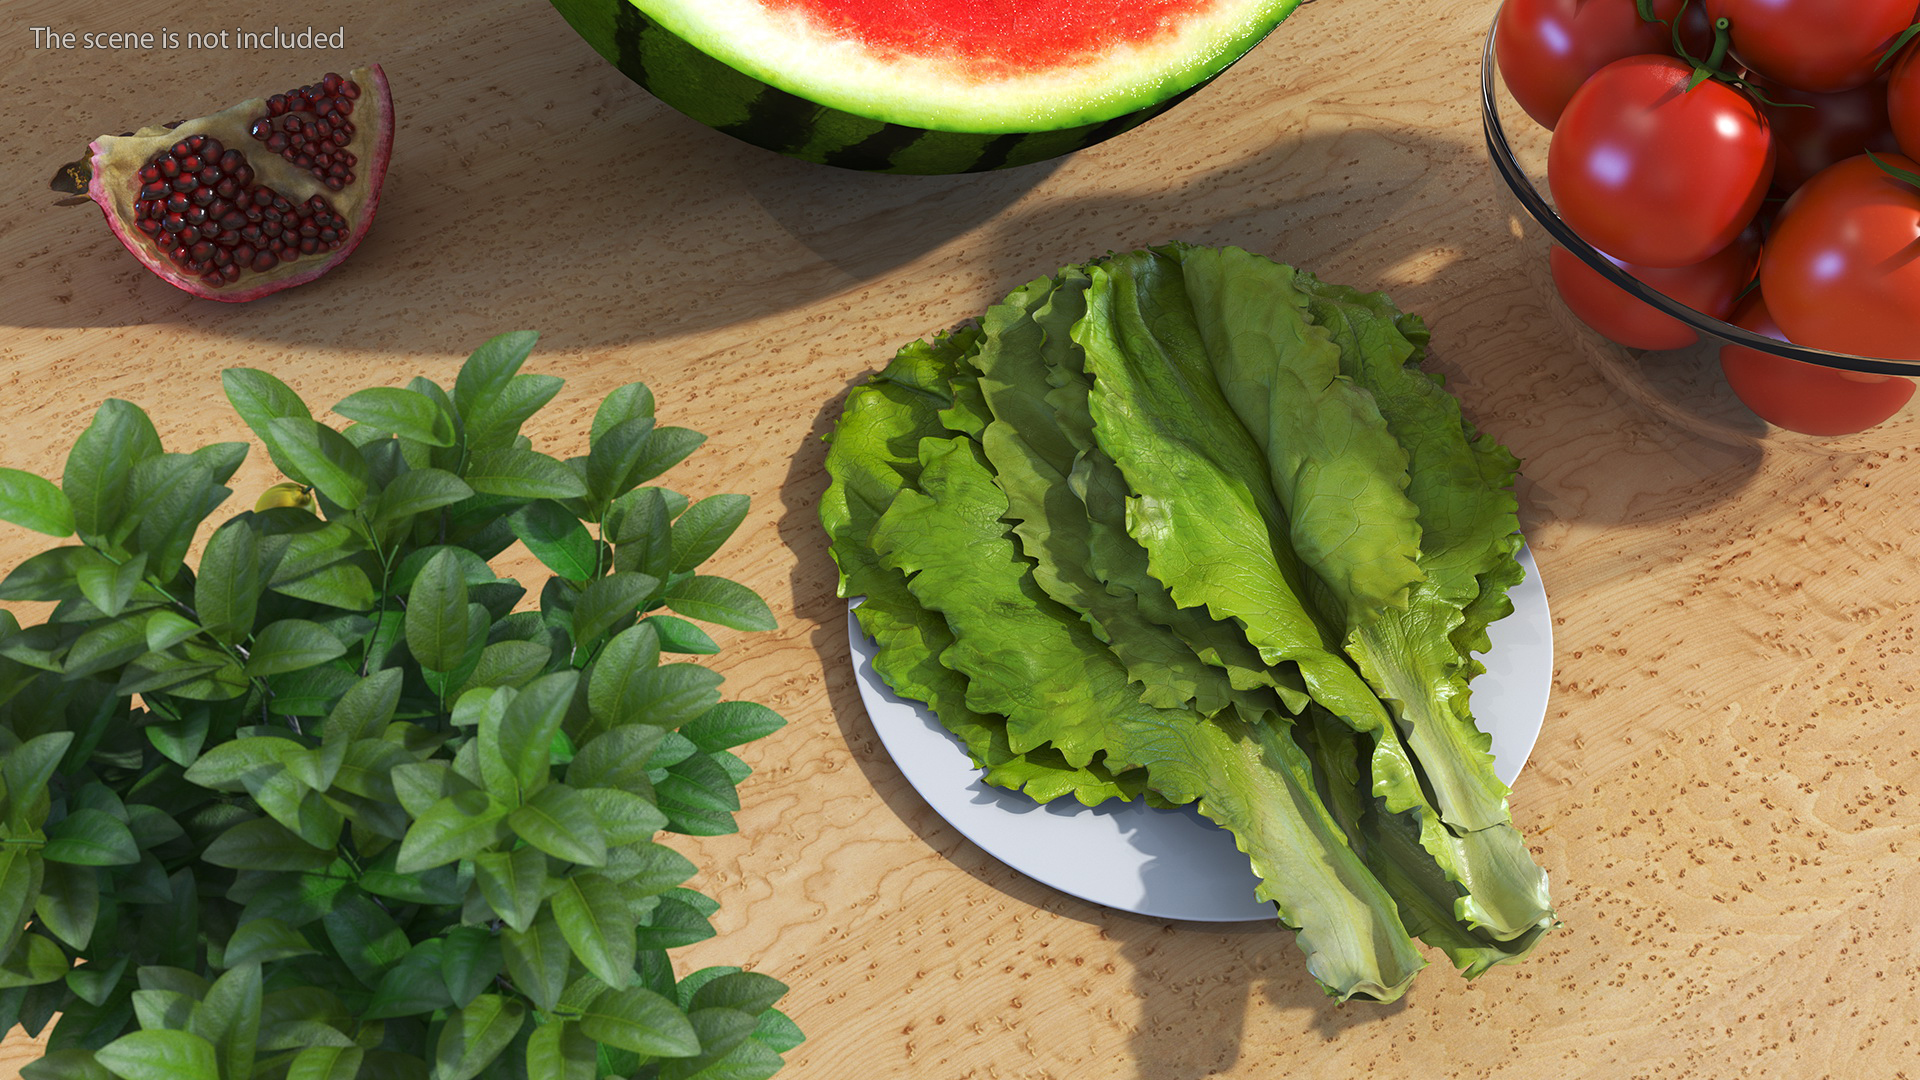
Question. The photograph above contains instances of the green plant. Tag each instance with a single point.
(332, 804)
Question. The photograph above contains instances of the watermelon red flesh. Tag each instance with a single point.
(777, 73)
(998, 37)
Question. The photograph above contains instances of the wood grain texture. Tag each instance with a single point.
(1722, 792)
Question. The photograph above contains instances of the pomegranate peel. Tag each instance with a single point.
(261, 196)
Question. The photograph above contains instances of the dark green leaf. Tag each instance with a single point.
(514, 883)
(413, 986)
(323, 458)
(666, 448)
(90, 838)
(419, 491)
(704, 527)
(748, 991)
(65, 1065)
(229, 1018)
(50, 575)
(265, 844)
(107, 586)
(261, 398)
(641, 529)
(160, 1055)
(290, 645)
(469, 962)
(437, 621)
(152, 826)
(667, 696)
(652, 869)
(732, 723)
(221, 460)
(721, 1031)
(610, 604)
(476, 1035)
(557, 539)
(615, 454)
(98, 477)
(107, 646)
(442, 885)
(227, 590)
(401, 412)
(625, 403)
(538, 960)
(641, 1021)
(171, 495)
(457, 827)
(258, 941)
(364, 937)
(592, 915)
(30, 765)
(293, 803)
(226, 767)
(778, 1031)
(343, 585)
(69, 902)
(365, 710)
(677, 635)
(422, 784)
(488, 370)
(559, 822)
(496, 423)
(522, 474)
(676, 922)
(34, 502)
(718, 600)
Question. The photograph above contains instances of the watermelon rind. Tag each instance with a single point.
(723, 63)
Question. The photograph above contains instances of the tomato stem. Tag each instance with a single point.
(1722, 39)
(1898, 43)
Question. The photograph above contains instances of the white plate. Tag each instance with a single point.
(1170, 864)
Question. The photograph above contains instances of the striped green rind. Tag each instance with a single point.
(756, 109)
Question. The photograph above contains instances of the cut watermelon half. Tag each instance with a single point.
(923, 86)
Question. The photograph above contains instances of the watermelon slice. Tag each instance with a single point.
(923, 86)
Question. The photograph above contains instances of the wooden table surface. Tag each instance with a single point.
(1719, 793)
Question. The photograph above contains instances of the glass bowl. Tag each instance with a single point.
(1684, 386)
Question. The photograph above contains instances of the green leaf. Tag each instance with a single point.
(748, 991)
(559, 822)
(614, 455)
(227, 766)
(221, 460)
(667, 447)
(557, 538)
(30, 765)
(624, 817)
(412, 987)
(364, 937)
(677, 635)
(65, 1065)
(229, 1017)
(476, 1035)
(530, 723)
(616, 758)
(538, 960)
(33, 961)
(322, 457)
(171, 495)
(508, 663)
(227, 588)
(706, 525)
(326, 1063)
(365, 710)
(522, 474)
(107, 586)
(98, 477)
(666, 696)
(732, 723)
(641, 1021)
(457, 827)
(496, 424)
(469, 962)
(653, 869)
(69, 902)
(407, 413)
(160, 1055)
(258, 941)
(90, 837)
(437, 623)
(718, 600)
(628, 402)
(34, 502)
(488, 370)
(592, 914)
(513, 882)
(107, 646)
(610, 603)
(641, 529)
(291, 645)
(418, 491)
(699, 782)
(559, 1050)
(260, 399)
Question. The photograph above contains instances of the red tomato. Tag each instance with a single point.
(1654, 173)
(1547, 48)
(1710, 287)
(1840, 271)
(1817, 45)
(1801, 397)
(1903, 101)
(1832, 127)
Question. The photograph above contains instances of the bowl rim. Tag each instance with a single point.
(1507, 167)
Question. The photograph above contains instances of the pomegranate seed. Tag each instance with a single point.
(173, 223)
(242, 174)
(233, 221)
(182, 149)
(264, 261)
(177, 203)
(277, 104)
(188, 235)
(350, 88)
(169, 168)
(203, 197)
(251, 234)
(149, 226)
(195, 214)
(335, 183)
(230, 274)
